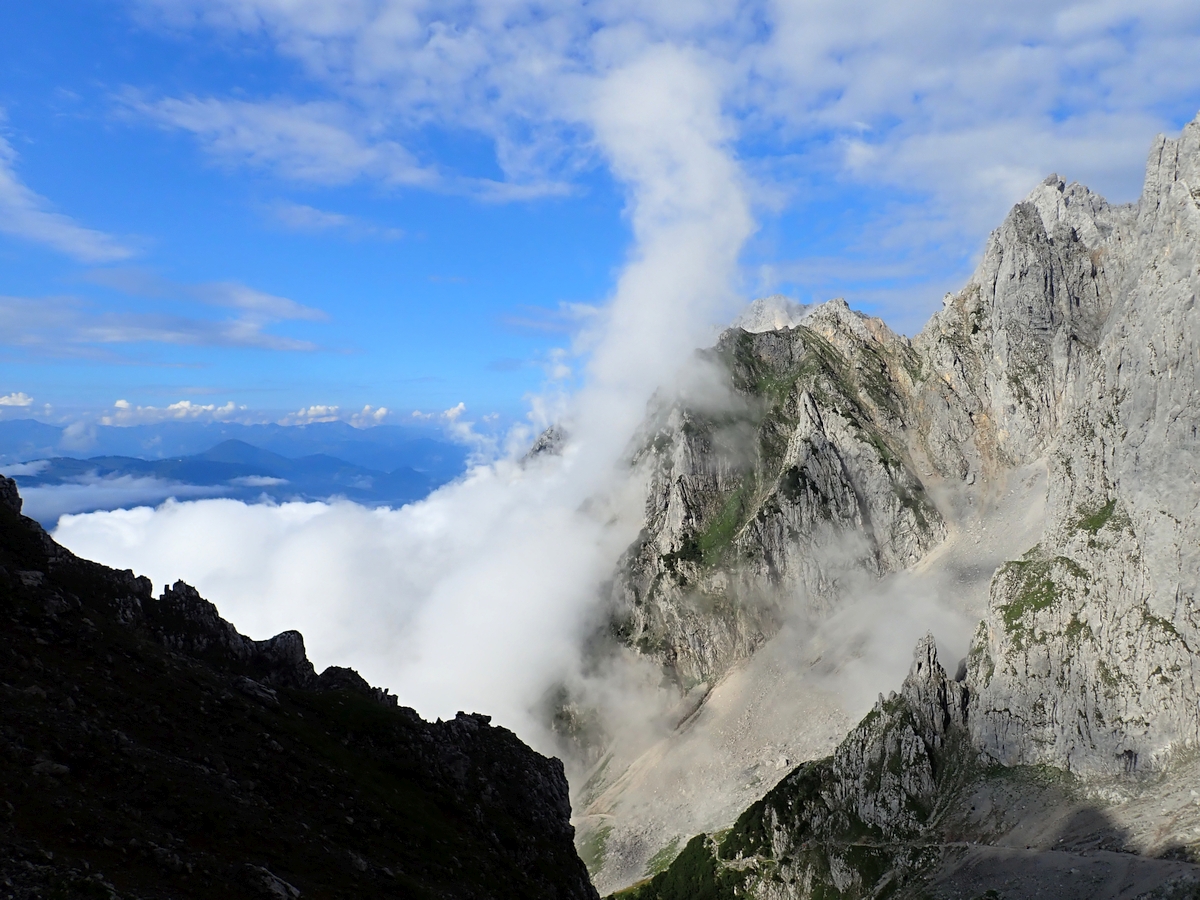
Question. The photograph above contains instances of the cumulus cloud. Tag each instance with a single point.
(320, 412)
(17, 398)
(27, 215)
(125, 413)
(367, 416)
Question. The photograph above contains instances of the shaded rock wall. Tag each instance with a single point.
(149, 750)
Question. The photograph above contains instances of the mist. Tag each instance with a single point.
(47, 503)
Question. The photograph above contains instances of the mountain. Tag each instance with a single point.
(149, 750)
(382, 447)
(231, 469)
(1028, 463)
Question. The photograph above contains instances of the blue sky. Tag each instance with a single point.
(300, 205)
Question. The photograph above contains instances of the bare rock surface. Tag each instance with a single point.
(1048, 417)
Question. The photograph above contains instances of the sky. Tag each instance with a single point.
(258, 208)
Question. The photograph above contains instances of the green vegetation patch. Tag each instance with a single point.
(695, 874)
(661, 860)
(1093, 521)
(1039, 586)
(716, 540)
(1164, 625)
(593, 848)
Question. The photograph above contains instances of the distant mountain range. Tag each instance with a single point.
(385, 465)
(383, 447)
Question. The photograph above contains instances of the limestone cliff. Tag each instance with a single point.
(802, 474)
(1088, 656)
(1074, 342)
(1074, 347)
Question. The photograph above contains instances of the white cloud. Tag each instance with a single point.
(255, 305)
(125, 413)
(258, 481)
(28, 468)
(63, 326)
(26, 215)
(18, 398)
(943, 105)
(48, 503)
(299, 217)
(477, 597)
(310, 142)
(316, 413)
(367, 416)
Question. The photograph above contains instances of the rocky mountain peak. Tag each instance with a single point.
(771, 314)
(1071, 352)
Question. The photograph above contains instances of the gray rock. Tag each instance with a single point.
(271, 885)
(1077, 342)
(1075, 346)
(758, 510)
(1087, 659)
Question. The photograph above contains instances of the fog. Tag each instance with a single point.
(482, 596)
(49, 502)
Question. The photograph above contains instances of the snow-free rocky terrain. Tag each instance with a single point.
(149, 750)
(1020, 477)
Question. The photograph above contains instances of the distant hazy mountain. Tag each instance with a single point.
(388, 466)
(384, 447)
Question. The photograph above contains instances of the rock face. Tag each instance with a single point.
(147, 749)
(1076, 342)
(800, 477)
(908, 807)
(1088, 657)
(1076, 345)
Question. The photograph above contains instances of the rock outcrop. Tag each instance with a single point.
(1076, 345)
(147, 749)
(766, 500)
(1088, 657)
(907, 806)
(1075, 342)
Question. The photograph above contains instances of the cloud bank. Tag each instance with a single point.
(478, 597)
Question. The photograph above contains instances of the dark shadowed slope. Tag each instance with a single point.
(149, 750)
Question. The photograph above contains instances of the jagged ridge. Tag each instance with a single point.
(805, 475)
(1074, 343)
(147, 750)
